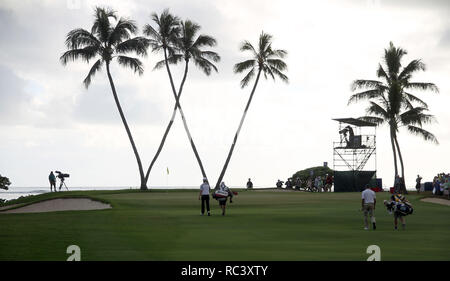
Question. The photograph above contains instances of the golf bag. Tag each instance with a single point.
(220, 194)
(399, 208)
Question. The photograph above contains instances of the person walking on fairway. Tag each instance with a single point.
(223, 200)
(368, 203)
(401, 208)
(52, 180)
(204, 196)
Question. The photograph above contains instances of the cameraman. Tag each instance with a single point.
(52, 180)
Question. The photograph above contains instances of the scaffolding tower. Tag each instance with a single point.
(354, 153)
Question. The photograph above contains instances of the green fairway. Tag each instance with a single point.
(259, 225)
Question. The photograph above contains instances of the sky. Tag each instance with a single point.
(49, 121)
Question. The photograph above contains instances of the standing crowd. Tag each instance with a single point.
(312, 184)
(441, 184)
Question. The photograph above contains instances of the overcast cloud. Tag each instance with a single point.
(49, 121)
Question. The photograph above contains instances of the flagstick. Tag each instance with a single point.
(167, 179)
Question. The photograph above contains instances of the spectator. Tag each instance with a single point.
(436, 186)
(318, 184)
(328, 182)
(249, 184)
(279, 184)
(418, 179)
(288, 183)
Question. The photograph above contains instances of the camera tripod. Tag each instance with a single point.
(61, 184)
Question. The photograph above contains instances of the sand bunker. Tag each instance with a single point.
(61, 204)
(437, 201)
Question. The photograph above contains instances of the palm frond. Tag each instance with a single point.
(86, 54)
(392, 58)
(247, 78)
(277, 54)
(167, 29)
(378, 110)
(205, 65)
(79, 38)
(132, 63)
(279, 74)
(210, 55)
(204, 40)
(413, 98)
(415, 116)
(381, 73)
(277, 63)
(242, 66)
(359, 84)
(94, 69)
(267, 70)
(247, 46)
(265, 40)
(138, 45)
(151, 32)
(372, 119)
(366, 95)
(102, 26)
(174, 59)
(422, 86)
(413, 66)
(423, 133)
(122, 31)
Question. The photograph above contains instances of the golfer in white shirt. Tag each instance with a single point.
(368, 206)
(204, 196)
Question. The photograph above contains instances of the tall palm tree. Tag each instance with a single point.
(392, 95)
(264, 60)
(179, 42)
(106, 42)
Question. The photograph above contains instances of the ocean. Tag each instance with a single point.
(16, 192)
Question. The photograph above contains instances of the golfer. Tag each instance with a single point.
(223, 200)
(204, 196)
(368, 203)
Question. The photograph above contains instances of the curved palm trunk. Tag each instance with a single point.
(222, 174)
(403, 188)
(194, 148)
(124, 121)
(395, 154)
(177, 106)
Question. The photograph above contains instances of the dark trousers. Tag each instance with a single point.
(52, 184)
(205, 200)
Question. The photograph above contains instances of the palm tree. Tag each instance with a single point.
(178, 42)
(390, 97)
(264, 60)
(107, 42)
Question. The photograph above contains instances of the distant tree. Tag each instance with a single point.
(263, 60)
(391, 101)
(4, 182)
(317, 171)
(108, 42)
